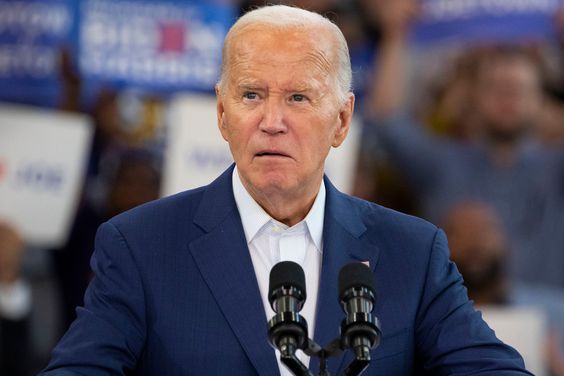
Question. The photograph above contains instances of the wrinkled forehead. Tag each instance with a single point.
(309, 46)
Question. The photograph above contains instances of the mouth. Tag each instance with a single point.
(272, 154)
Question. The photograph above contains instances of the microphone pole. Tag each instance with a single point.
(360, 330)
(287, 330)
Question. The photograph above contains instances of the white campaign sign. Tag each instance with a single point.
(42, 164)
(522, 328)
(196, 153)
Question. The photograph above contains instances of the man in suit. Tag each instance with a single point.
(181, 283)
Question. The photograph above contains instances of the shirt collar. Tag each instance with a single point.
(254, 217)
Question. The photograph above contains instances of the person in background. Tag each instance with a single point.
(479, 247)
(16, 353)
(503, 166)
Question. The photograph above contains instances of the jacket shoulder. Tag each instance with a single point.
(385, 220)
(396, 234)
(177, 208)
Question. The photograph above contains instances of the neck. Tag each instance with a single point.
(285, 207)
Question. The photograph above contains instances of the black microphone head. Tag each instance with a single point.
(286, 274)
(355, 274)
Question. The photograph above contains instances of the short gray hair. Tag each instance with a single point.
(282, 16)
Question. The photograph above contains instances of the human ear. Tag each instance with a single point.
(344, 121)
(220, 113)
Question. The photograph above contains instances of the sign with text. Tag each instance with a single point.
(43, 157)
(196, 153)
(32, 35)
(485, 20)
(153, 45)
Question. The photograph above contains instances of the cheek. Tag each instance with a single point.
(242, 144)
(317, 144)
(236, 126)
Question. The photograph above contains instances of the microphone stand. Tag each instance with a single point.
(314, 350)
(288, 357)
(288, 347)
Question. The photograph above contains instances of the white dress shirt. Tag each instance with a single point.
(271, 241)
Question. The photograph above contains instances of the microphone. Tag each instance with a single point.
(360, 330)
(287, 330)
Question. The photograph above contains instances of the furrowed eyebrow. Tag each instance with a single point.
(306, 86)
(247, 82)
(248, 87)
(299, 89)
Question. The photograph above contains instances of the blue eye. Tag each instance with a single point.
(298, 98)
(250, 95)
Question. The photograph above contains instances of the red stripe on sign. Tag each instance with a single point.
(172, 37)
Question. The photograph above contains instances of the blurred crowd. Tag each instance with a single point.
(470, 137)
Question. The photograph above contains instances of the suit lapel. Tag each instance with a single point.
(223, 259)
(342, 243)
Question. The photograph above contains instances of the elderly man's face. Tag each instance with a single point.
(278, 111)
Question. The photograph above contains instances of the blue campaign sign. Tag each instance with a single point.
(154, 45)
(32, 34)
(485, 20)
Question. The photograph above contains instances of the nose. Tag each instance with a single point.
(273, 120)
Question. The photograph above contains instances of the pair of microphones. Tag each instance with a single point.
(288, 331)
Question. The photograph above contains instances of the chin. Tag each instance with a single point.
(271, 175)
(276, 184)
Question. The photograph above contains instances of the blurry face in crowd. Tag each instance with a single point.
(477, 244)
(278, 109)
(508, 97)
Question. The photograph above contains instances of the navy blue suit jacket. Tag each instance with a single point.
(175, 293)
